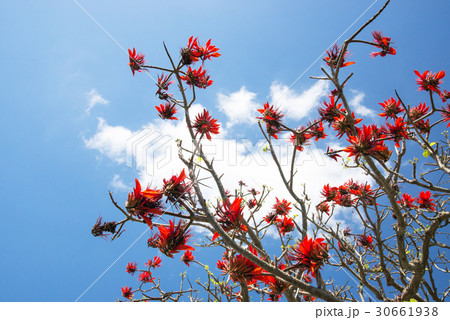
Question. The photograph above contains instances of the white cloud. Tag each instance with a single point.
(118, 184)
(298, 105)
(356, 104)
(239, 106)
(94, 98)
(109, 140)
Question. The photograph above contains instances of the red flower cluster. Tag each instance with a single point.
(272, 118)
(230, 216)
(176, 188)
(155, 263)
(367, 142)
(416, 115)
(333, 55)
(446, 114)
(241, 269)
(163, 85)
(146, 277)
(193, 51)
(127, 292)
(172, 239)
(349, 194)
(136, 61)
(309, 254)
(197, 77)
(277, 287)
(285, 225)
(365, 241)
(167, 111)
(391, 108)
(300, 138)
(187, 257)
(145, 204)
(407, 201)
(425, 201)
(280, 208)
(343, 125)
(131, 267)
(331, 110)
(383, 43)
(396, 132)
(430, 81)
(205, 124)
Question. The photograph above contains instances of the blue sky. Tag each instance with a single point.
(59, 160)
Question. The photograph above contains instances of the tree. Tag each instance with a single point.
(400, 254)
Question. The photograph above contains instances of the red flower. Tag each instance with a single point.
(446, 114)
(407, 201)
(364, 194)
(146, 277)
(197, 77)
(136, 61)
(430, 81)
(309, 254)
(241, 269)
(163, 85)
(155, 263)
(131, 267)
(333, 55)
(176, 188)
(416, 115)
(329, 192)
(230, 216)
(281, 207)
(331, 111)
(397, 132)
(285, 225)
(323, 207)
(187, 257)
(103, 229)
(365, 241)
(445, 95)
(207, 51)
(190, 53)
(383, 43)
(251, 203)
(276, 286)
(342, 125)
(270, 218)
(332, 154)
(317, 131)
(425, 202)
(344, 200)
(308, 298)
(167, 110)
(126, 292)
(365, 143)
(417, 112)
(144, 204)
(391, 108)
(205, 124)
(300, 138)
(272, 118)
(172, 239)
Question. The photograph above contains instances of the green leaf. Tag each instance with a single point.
(426, 153)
